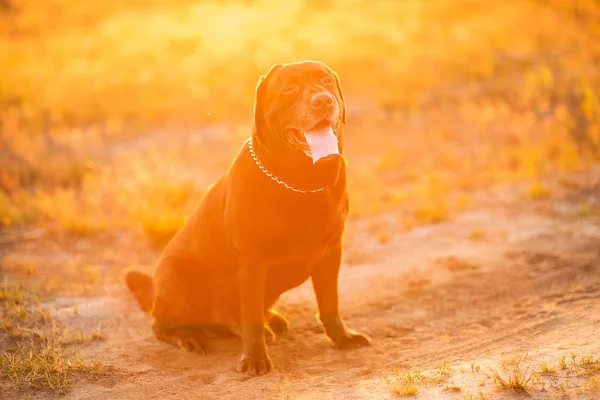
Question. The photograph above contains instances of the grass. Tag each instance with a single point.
(404, 384)
(538, 191)
(35, 365)
(547, 370)
(477, 234)
(454, 264)
(136, 79)
(40, 354)
(563, 363)
(513, 375)
(526, 117)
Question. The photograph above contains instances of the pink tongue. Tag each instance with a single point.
(322, 142)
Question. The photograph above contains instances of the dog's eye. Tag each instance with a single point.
(327, 81)
(290, 89)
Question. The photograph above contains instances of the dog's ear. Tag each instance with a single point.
(259, 123)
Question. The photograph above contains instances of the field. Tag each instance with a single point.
(473, 148)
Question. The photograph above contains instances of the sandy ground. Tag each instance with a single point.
(429, 297)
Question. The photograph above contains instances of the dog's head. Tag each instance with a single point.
(300, 111)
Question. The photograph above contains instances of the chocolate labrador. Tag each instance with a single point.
(272, 221)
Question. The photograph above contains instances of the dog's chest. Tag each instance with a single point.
(302, 242)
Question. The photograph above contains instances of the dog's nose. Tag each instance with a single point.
(322, 101)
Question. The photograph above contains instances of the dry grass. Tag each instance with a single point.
(407, 383)
(546, 369)
(35, 365)
(538, 191)
(514, 374)
(404, 384)
(40, 354)
(452, 263)
(513, 101)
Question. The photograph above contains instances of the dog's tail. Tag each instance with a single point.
(140, 284)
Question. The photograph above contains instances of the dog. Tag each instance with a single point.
(273, 220)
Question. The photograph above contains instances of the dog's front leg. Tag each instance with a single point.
(251, 281)
(325, 285)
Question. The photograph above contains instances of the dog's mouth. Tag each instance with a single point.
(321, 141)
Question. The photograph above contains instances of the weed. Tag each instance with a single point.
(563, 363)
(30, 269)
(538, 191)
(453, 263)
(591, 384)
(477, 234)
(452, 388)
(404, 384)
(383, 237)
(444, 368)
(35, 357)
(588, 210)
(431, 214)
(20, 313)
(545, 369)
(514, 375)
(90, 274)
(12, 293)
(40, 365)
(589, 360)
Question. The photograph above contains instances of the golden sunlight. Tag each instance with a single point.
(164, 188)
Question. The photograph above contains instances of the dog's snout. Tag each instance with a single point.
(322, 101)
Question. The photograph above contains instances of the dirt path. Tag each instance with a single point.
(446, 303)
(438, 299)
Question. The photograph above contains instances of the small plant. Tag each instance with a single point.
(591, 385)
(30, 269)
(477, 234)
(20, 313)
(563, 363)
(444, 371)
(383, 237)
(404, 384)
(545, 369)
(514, 374)
(453, 388)
(39, 365)
(453, 264)
(537, 191)
(589, 360)
(475, 368)
(91, 274)
(434, 214)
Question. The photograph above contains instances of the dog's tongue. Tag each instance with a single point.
(322, 142)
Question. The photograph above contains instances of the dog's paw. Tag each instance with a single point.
(352, 340)
(255, 365)
(194, 341)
